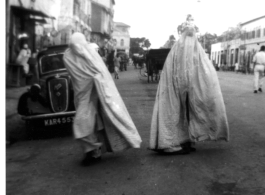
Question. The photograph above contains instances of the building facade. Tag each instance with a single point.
(121, 37)
(102, 13)
(24, 17)
(241, 50)
(51, 22)
(74, 16)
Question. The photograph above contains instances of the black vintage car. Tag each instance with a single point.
(49, 101)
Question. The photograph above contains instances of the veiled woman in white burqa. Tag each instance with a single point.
(102, 122)
(189, 105)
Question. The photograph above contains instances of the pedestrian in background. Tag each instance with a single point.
(23, 57)
(236, 67)
(259, 64)
(110, 60)
(117, 60)
(103, 52)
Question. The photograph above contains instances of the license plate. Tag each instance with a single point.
(58, 121)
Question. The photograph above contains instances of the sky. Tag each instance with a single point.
(158, 19)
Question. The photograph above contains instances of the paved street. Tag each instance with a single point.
(52, 165)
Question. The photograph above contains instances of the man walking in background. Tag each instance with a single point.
(259, 66)
(117, 60)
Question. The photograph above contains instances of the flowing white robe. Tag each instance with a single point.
(188, 78)
(99, 105)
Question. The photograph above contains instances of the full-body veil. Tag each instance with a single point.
(189, 104)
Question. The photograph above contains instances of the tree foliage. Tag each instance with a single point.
(147, 43)
(137, 44)
(207, 40)
(232, 33)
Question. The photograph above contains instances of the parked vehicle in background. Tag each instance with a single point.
(155, 59)
(138, 60)
(49, 101)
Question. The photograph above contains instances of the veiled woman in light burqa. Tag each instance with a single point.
(189, 105)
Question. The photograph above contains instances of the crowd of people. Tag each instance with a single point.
(116, 61)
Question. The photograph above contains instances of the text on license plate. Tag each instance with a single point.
(58, 121)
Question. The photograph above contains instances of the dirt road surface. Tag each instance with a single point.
(51, 165)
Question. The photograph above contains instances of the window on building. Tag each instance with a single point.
(122, 42)
(253, 34)
(258, 33)
(222, 57)
(249, 35)
(236, 55)
(225, 56)
(232, 57)
(76, 8)
(115, 41)
(244, 36)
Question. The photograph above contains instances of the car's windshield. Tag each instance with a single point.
(51, 63)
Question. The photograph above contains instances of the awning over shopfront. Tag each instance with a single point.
(22, 26)
(24, 11)
(42, 21)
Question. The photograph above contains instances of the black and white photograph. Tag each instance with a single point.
(133, 97)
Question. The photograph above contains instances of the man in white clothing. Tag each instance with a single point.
(259, 66)
(236, 67)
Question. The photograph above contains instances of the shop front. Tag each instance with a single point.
(22, 29)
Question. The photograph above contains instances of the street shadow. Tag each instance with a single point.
(49, 133)
(210, 152)
(16, 131)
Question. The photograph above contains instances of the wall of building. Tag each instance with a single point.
(121, 33)
(254, 25)
(75, 16)
(106, 3)
(70, 18)
(216, 52)
(101, 20)
(44, 6)
(126, 41)
(7, 30)
(241, 50)
(26, 3)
